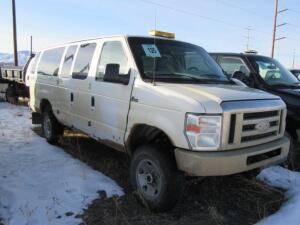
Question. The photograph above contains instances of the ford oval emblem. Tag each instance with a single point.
(262, 126)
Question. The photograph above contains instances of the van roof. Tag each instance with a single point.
(125, 36)
(101, 37)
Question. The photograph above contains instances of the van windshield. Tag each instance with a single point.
(273, 73)
(174, 61)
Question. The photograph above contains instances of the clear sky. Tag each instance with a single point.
(216, 25)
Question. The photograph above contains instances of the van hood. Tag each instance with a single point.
(210, 96)
(219, 93)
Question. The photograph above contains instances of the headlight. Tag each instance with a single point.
(203, 132)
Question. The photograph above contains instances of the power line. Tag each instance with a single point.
(229, 4)
(213, 19)
(294, 11)
(192, 14)
(186, 12)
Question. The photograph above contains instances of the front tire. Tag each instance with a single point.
(155, 177)
(52, 129)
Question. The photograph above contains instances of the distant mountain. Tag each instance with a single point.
(8, 58)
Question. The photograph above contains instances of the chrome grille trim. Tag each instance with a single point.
(257, 122)
(255, 132)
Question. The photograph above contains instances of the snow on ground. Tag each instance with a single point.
(290, 182)
(40, 183)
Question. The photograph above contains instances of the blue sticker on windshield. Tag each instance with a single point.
(151, 50)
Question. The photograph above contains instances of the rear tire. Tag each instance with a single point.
(154, 175)
(10, 94)
(52, 129)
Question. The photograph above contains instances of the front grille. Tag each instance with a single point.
(232, 128)
(248, 127)
(258, 136)
(249, 116)
(250, 123)
(259, 125)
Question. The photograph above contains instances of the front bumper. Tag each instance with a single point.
(231, 162)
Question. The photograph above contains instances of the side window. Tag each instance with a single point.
(68, 61)
(83, 61)
(231, 65)
(50, 62)
(112, 53)
(34, 63)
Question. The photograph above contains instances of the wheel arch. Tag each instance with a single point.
(43, 104)
(142, 134)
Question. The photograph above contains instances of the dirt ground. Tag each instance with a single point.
(232, 200)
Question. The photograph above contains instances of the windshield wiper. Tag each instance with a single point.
(212, 81)
(210, 75)
(173, 76)
(191, 76)
(198, 78)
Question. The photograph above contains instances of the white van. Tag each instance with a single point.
(166, 103)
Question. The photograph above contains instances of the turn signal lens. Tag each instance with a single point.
(193, 128)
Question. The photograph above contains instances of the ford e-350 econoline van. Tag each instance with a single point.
(165, 103)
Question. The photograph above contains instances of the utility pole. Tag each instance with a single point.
(15, 33)
(294, 57)
(248, 38)
(276, 26)
(31, 46)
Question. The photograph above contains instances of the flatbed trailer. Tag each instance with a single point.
(13, 82)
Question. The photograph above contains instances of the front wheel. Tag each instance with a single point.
(155, 177)
(52, 129)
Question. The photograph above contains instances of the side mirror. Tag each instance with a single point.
(112, 74)
(298, 77)
(242, 77)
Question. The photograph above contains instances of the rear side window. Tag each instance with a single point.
(83, 61)
(231, 65)
(112, 53)
(34, 63)
(50, 62)
(68, 61)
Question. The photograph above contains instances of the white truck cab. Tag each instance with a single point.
(166, 103)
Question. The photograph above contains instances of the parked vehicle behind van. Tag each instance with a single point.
(296, 73)
(165, 103)
(13, 81)
(269, 75)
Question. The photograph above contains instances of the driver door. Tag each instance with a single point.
(109, 103)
